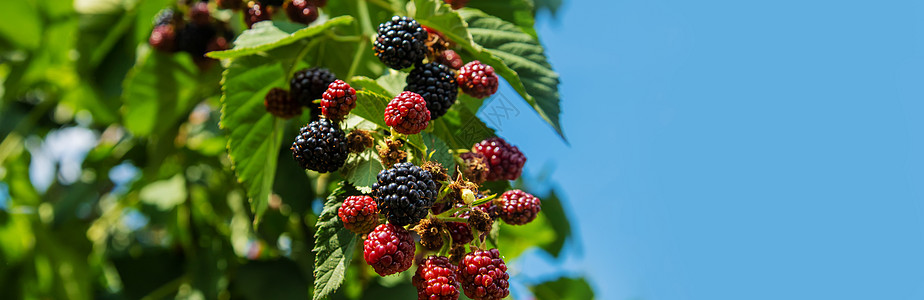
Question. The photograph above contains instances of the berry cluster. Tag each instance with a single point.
(299, 11)
(195, 32)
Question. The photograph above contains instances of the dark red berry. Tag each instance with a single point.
(505, 161)
(483, 275)
(517, 207)
(278, 103)
(199, 13)
(435, 279)
(301, 11)
(456, 4)
(256, 12)
(450, 59)
(389, 249)
(359, 214)
(477, 79)
(338, 100)
(163, 38)
(407, 113)
(461, 233)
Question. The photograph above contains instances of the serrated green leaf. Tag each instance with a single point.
(558, 220)
(158, 91)
(371, 106)
(333, 245)
(519, 12)
(254, 136)
(441, 151)
(367, 84)
(460, 128)
(564, 289)
(361, 170)
(394, 82)
(270, 35)
(514, 54)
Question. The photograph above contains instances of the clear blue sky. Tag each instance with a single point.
(740, 149)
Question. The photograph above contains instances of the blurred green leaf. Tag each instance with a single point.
(555, 214)
(564, 289)
(460, 128)
(165, 194)
(394, 82)
(514, 239)
(254, 136)
(274, 279)
(22, 24)
(333, 245)
(268, 35)
(159, 90)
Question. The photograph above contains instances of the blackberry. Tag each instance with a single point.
(456, 4)
(483, 275)
(517, 207)
(389, 249)
(404, 193)
(505, 161)
(407, 113)
(230, 4)
(309, 84)
(450, 59)
(199, 13)
(401, 43)
(194, 39)
(359, 214)
(338, 100)
(163, 38)
(436, 84)
(477, 79)
(320, 146)
(256, 12)
(435, 279)
(461, 233)
(278, 103)
(301, 11)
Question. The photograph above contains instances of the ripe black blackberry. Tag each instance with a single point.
(404, 193)
(401, 43)
(389, 249)
(483, 275)
(436, 84)
(436, 279)
(301, 11)
(320, 146)
(517, 207)
(194, 39)
(256, 12)
(309, 84)
(278, 103)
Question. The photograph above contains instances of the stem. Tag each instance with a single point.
(382, 4)
(343, 38)
(452, 219)
(447, 243)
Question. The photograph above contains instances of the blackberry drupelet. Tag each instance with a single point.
(401, 43)
(436, 84)
(404, 193)
(320, 146)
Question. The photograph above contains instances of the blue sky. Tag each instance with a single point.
(740, 149)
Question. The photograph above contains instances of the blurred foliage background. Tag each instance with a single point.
(115, 181)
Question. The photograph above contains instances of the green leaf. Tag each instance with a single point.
(158, 92)
(564, 289)
(333, 245)
(361, 170)
(165, 194)
(271, 279)
(514, 54)
(519, 12)
(525, 56)
(254, 136)
(22, 24)
(371, 106)
(555, 213)
(268, 35)
(514, 239)
(394, 82)
(440, 151)
(367, 84)
(460, 128)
